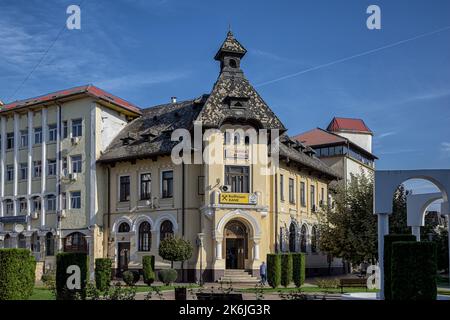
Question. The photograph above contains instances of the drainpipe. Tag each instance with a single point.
(108, 221)
(276, 213)
(183, 196)
(58, 182)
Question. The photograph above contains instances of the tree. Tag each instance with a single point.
(397, 220)
(175, 249)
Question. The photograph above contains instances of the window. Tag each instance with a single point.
(9, 207)
(124, 227)
(24, 138)
(9, 173)
(37, 135)
(23, 205)
(75, 200)
(167, 184)
(36, 204)
(64, 165)
(291, 191)
(23, 171)
(145, 237)
(322, 196)
(313, 198)
(302, 194)
(124, 189)
(303, 235)
(22, 241)
(146, 180)
(281, 187)
(63, 201)
(51, 164)
(65, 130)
(49, 244)
(77, 130)
(314, 239)
(238, 178)
(226, 138)
(75, 242)
(52, 132)
(10, 140)
(51, 203)
(76, 164)
(166, 230)
(237, 138)
(37, 168)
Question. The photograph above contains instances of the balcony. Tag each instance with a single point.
(14, 219)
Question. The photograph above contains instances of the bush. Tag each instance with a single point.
(298, 269)
(148, 269)
(167, 276)
(49, 281)
(63, 261)
(328, 283)
(130, 277)
(274, 270)
(286, 269)
(388, 240)
(103, 273)
(413, 271)
(17, 274)
(175, 249)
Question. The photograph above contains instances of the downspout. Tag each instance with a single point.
(58, 182)
(183, 169)
(108, 206)
(276, 212)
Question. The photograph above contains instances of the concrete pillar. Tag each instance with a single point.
(383, 229)
(256, 249)
(219, 249)
(416, 232)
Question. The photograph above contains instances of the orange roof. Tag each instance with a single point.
(87, 89)
(317, 137)
(348, 124)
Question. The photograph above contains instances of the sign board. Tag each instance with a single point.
(237, 198)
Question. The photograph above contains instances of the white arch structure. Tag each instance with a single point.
(416, 205)
(386, 182)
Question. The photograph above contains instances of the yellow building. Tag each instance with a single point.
(239, 193)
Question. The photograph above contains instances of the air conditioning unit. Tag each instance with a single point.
(75, 140)
(35, 215)
(63, 213)
(226, 188)
(73, 176)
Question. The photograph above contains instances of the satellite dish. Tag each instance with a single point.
(18, 228)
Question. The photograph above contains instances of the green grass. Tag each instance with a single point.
(142, 288)
(41, 294)
(307, 290)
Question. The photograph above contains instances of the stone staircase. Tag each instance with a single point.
(238, 276)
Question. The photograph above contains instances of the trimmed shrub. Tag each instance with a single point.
(103, 273)
(274, 270)
(298, 269)
(413, 271)
(148, 269)
(286, 269)
(63, 261)
(388, 240)
(167, 276)
(17, 274)
(130, 277)
(175, 249)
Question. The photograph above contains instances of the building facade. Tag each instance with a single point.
(238, 193)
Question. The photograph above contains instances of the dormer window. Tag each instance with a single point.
(233, 63)
(236, 102)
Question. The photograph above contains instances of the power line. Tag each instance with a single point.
(292, 75)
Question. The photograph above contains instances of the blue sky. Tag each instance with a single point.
(149, 50)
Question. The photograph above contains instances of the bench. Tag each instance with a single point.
(353, 283)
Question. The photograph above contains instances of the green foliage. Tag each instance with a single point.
(274, 270)
(286, 269)
(388, 241)
(114, 292)
(49, 281)
(298, 269)
(130, 277)
(175, 249)
(103, 273)
(148, 269)
(328, 283)
(397, 220)
(63, 261)
(413, 271)
(17, 274)
(167, 276)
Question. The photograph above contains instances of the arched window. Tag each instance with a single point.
(303, 239)
(145, 236)
(292, 237)
(75, 242)
(35, 245)
(314, 239)
(22, 243)
(247, 140)
(166, 229)
(237, 138)
(7, 242)
(124, 227)
(49, 244)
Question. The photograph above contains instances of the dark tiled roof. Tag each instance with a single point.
(150, 135)
(231, 45)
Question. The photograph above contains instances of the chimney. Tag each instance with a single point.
(173, 99)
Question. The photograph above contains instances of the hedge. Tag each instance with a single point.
(17, 274)
(413, 271)
(103, 273)
(274, 270)
(63, 261)
(388, 240)
(167, 276)
(298, 269)
(148, 269)
(286, 269)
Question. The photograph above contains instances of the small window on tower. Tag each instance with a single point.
(233, 63)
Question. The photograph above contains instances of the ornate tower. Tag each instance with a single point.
(230, 55)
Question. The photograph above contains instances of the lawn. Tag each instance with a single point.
(306, 290)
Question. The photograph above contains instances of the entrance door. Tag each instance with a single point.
(235, 254)
(123, 257)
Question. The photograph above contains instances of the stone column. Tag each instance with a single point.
(219, 248)
(256, 249)
(383, 229)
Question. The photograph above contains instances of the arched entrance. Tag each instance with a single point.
(236, 244)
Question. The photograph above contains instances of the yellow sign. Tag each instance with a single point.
(237, 198)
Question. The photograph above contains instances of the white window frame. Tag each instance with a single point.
(51, 167)
(118, 187)
(72, 162)
(24, 138)
(52, 132)
(51, 199)
(71, 198)
(72, 127)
